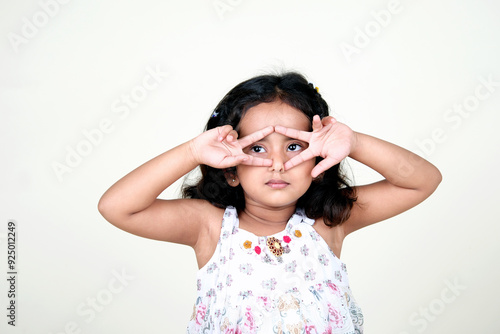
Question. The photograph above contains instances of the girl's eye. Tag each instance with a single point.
(294, 147)
(257, 149)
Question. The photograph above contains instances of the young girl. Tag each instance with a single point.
(269, 214)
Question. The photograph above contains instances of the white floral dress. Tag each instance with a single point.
(290, 282)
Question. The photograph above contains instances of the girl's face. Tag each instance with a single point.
(272, 186)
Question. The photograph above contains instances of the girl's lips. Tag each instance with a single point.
(277, 184)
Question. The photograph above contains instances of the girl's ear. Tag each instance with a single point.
(234, 182)
(231, 178)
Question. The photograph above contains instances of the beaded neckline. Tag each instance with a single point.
(277, 244)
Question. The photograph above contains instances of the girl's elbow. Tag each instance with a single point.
(433, 180)
(113, 211)
(105, 208)
(439, 177)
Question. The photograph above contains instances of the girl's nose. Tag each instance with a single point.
(278, 165)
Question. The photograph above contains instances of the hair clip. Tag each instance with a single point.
(314, 87)
(215, 114)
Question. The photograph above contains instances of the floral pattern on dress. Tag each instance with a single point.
(323, 259)
(247, 289)
(304, 250)
(246, 268)
(291, 266)
(269, 284)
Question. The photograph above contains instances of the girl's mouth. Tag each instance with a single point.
(277, 184)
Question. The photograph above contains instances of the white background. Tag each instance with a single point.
(64, 67)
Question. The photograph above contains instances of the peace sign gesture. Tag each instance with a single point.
(329, 139)
(221, 148)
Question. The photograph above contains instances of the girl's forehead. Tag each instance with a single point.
(273, 113)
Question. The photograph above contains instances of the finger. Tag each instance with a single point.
(316, 123)
(323, 166)
(256, 136)
(234, 160)
(255, 161)
(293, 133)
(224, 131)
(232, 136)
(328, 120)
(230, 141)
(298, 159)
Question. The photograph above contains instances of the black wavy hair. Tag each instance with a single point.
(329, 196)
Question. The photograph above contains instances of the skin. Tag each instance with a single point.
(265, 152)
(270, 203)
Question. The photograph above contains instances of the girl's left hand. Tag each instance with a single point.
(331, 140)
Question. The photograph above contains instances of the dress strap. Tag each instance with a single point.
(229, 221)
(300, 217)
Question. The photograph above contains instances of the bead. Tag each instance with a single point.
(274, 246)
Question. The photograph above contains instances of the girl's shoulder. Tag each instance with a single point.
(208, 216)
(210, 219)
(184, 221)
(333, 236)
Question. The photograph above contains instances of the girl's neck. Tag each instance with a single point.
(265, 221)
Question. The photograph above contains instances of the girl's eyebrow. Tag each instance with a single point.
(266, 139)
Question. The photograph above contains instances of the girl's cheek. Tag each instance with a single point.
(292, 154)
(309, 165)
(258, 155)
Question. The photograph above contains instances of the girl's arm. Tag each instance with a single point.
(409, 179)
(132, 205)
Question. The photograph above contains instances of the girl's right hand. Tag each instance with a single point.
(221, 148)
